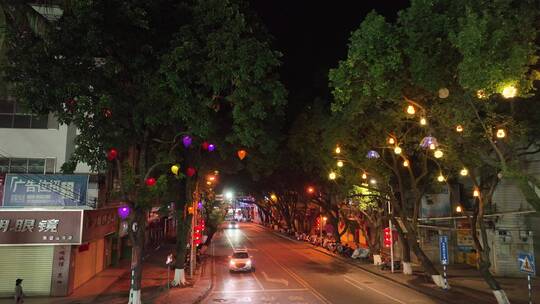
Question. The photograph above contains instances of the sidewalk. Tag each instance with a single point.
(465, 282)
(203, 282)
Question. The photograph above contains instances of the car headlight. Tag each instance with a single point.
(230, 226)
(248, 263)
(232, 263)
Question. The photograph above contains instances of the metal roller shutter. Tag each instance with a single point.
(33, 264)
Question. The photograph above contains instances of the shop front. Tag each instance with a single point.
(36, 246)
(54, 251)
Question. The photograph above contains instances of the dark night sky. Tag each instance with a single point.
(313, 37)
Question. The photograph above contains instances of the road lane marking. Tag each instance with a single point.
(261, 291)
(353, 284)
(257, 280)
(375, 290)
(269, 279)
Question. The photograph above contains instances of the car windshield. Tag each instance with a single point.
(240, 255)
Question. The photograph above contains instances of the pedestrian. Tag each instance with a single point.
(19, 294)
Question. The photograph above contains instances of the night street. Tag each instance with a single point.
(292, 272)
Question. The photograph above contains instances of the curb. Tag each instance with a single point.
(212, 275)
(420, 290)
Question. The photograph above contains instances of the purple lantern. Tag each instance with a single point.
(428, 141)
(186, 140)
(123, 212)
(372, 154)
(199, 205)
(211, 147)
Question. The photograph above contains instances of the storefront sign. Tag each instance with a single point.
(22, 190)
(22, 227)
(60, 271)
(99, 223)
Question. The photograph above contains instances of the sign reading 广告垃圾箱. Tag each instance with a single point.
(40, 190)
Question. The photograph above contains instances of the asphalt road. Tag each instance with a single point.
(287, 271)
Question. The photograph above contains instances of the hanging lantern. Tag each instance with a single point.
(509, 91)
(428, 142)
(338, 150)
(443, 93)
(464, 172)
(459, 209)
(459, 128)
(405, 163)
(391, 140)
(186, 141)
(190, 171)
(411, 110)
(340, 163)
(205, 145)
(175, 169)
(423, 121)
(112, 154)
(501, 133)
(438, 154)
(123, 212)
(476, 193)
(332, 175)
(364, 175)
(211, 147)
(372, 154)
(241, 154)
(440, 178)
(397, 150)
(150, 181)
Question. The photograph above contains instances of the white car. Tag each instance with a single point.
(233, 225)
(240, 261)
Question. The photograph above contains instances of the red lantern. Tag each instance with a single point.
(205, 145)
(190, 171)
(112, 154)
(242, 154)
(107, 113)
(150, 181)
(387, 237)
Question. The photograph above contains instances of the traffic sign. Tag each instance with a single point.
(443, 249)
(526, 263)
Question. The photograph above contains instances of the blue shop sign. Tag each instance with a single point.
(41, 190)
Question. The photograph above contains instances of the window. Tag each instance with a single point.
(13, 116)
(27, 165)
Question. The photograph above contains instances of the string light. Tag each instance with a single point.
(391, 140)
(481, 94)
(459, 128)
(397, 150)
(405, 163)
(332, 175)
(340, 163)
(476, 193)
(438, 154)
(440, 178)
(373, 181)
(411, 110)
(509, 91)
(464, 172)
(501, 133)
(338, 150)
(364, 175)
(423, 121)
(459, 209)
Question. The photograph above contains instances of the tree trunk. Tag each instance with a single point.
(183, 227)
(136, 232)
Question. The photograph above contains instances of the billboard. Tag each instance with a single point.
(45, 190)
(30, 227)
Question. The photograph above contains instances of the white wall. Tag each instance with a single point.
(35, 143)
